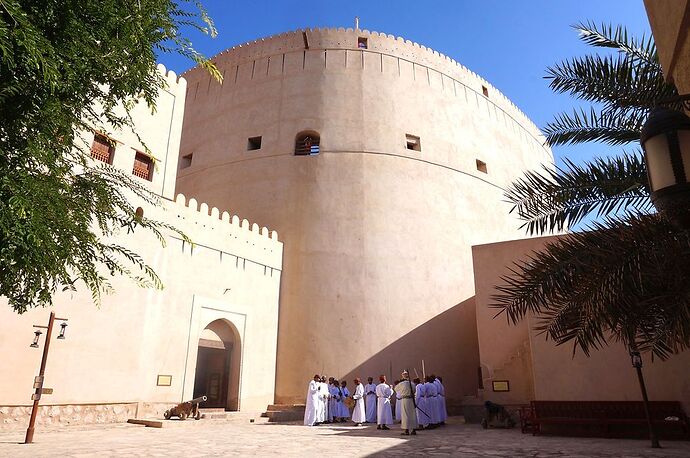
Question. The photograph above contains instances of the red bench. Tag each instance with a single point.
(603, 415)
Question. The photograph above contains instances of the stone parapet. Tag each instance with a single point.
(266, 56)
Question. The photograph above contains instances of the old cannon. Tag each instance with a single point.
(189, 409)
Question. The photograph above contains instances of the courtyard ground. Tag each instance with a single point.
(239, 437)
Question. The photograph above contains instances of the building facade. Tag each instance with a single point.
(381, 163)
(211, 330)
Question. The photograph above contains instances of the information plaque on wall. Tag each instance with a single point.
(164, 380)
(501, 385)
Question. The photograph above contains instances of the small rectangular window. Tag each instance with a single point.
(485, 91)
(413, 142)
(481, 166)
(143, 166)
(362, 43)
(186, 160)
(102, 149)
(253, 143)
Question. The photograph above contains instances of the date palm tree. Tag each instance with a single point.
(625, 277)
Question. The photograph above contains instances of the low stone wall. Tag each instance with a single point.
(17, 417)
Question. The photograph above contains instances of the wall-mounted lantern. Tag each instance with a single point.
(665, 140)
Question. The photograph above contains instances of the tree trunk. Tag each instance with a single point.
(645, 400)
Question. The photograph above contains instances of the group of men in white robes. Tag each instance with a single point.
(419, 405)
(430, 397)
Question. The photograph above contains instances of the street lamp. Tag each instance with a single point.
(37, 335)
(636, 361)
(63, 328)
(665, 140)
(38, 381)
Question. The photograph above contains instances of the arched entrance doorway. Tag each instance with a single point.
(218, 366)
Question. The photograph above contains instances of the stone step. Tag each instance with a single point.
(284, 417)
(284, 413)
(285, 407)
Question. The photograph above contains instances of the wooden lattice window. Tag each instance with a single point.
(102, 149)
(143, 166)
(307, 143)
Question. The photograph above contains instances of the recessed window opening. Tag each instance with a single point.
(143, 166)
(481, 166)
(485, 91)
(413, 142)
(102, 149)
(253, 143)
(186, 160)
(362, 43)
(307, 144)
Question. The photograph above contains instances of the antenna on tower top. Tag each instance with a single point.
(356, 22)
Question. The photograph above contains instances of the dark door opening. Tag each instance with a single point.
(212, 376)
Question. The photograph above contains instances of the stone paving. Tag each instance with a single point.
(239, 437)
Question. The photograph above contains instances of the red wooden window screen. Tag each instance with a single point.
(143, 166)
(307, 144)
(101, 149)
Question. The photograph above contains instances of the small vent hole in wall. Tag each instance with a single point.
(485, 91)
(186, 160)
(362, 43)
(253, 143)
(481, 166)
(413, 142)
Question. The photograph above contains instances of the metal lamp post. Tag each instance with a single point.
(636, 360)
(38, 381)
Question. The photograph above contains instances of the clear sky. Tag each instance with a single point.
(508, 42)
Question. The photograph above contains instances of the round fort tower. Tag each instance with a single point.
(381, 163)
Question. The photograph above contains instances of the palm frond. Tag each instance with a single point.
(614, 81)
(642, 50)
(624, 278)
(555, 198)
(609, 127)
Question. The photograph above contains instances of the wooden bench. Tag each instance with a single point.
(604, 415)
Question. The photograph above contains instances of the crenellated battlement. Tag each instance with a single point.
(385, 44)
(190, 207)
(176, 84)
(223, 232)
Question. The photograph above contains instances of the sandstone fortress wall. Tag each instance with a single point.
(377, 261)
(107, 367)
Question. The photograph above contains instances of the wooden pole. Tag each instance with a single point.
(423, 370)
(39, 386)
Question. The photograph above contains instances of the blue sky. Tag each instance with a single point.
(510, 43)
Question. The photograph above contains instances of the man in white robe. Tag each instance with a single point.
(422, 407)
(332, 401)
(358, 414)
(311, 409)
(345, 393)
(323, 401)
(408, 414)
(431, 396)
(370, 400)
(441, 395)
(384, 416)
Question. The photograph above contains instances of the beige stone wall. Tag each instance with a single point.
(670, 22)
(158, 129)
(114, 353)
(537, 369)
(378, 270)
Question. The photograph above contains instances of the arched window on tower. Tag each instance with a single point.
(307, 143)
